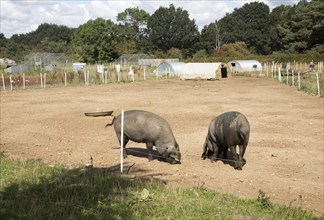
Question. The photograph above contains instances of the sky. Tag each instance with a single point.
(24, 16)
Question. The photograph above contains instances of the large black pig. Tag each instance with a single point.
(226, 131)
(151, 129)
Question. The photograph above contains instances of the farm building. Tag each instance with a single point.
(244, 65)
(204, 71)
(16, 69)
(172, 68)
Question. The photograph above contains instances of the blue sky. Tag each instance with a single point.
(23, 16)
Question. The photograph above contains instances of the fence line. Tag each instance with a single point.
(87, 77)
(299, 75)
(300, 71)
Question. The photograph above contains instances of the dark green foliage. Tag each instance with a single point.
(249, 24)
(95, 41)
(52, 32)
(172, 28)
(133, 29)
(305, 27)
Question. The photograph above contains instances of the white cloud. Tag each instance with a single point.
(23, 16)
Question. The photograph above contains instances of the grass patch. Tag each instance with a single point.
(33, 190)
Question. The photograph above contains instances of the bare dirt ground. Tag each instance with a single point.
(285, 157)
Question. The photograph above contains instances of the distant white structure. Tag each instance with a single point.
(7, 62)
(171, 68)
(204, 71)
(79, 66)
(100, 69)
(238, 66)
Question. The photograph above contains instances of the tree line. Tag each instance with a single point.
(169, 32)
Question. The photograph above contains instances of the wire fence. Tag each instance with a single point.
(91, 75)
(302, 76)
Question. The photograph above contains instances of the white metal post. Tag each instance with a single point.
(122, 142)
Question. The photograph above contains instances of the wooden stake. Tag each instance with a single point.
(318, 85)
(44, 80)
(3, 83)
(41, 78)
(298, 80)
(10, 82)
(144, 74)
(24, 81)
(65, 78)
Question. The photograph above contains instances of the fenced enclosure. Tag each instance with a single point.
(307, 77)
(67, 77)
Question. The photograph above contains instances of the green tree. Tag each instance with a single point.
(13, 51)
(134, 21)
(211, 37)
(278, 16)
(3, 41)
(250, 24)
(305, 28)
(133, 30)
(172, 28)
(53, 46)
(53, 32)
(95, 41)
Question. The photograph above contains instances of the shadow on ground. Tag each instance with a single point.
(94, 193)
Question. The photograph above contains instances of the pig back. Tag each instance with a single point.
(143, 126)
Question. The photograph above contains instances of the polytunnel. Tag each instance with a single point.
(244, 65)
(204, 71)
(172, 68)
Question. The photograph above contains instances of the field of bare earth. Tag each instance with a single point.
(284, 158)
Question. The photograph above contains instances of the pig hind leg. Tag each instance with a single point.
(242, 152)
(237, 165)
(149, 147)
(215, 153)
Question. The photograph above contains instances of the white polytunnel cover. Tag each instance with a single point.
(173, 68)
(245, 65)
(203, 71)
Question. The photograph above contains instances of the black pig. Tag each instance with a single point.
(226, 131)
(151, 129)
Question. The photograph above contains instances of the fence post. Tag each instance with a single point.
(298, 80)
(24, 81)
(10, 82)
(3, 83)
(292, 78)
(44, 80)
(41, 78)
(122, 142)
(65, 78)
(144, 73)
(287, 77)
(279, 74)
(318, 85)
